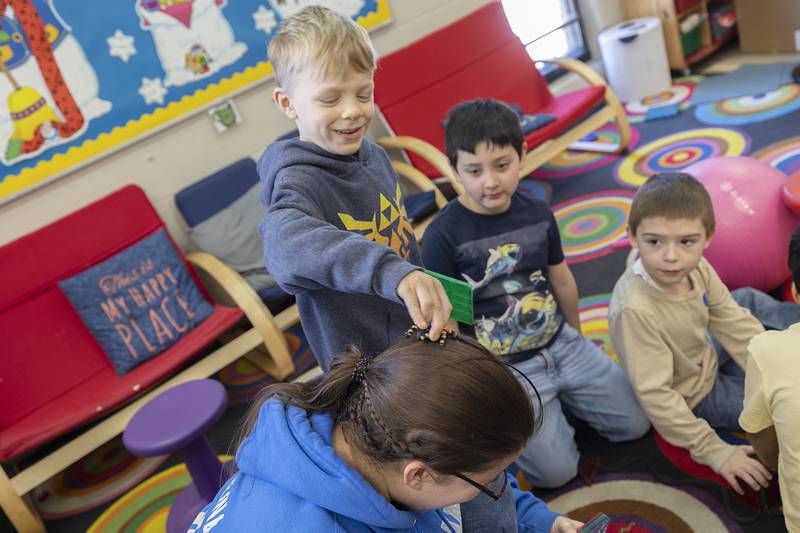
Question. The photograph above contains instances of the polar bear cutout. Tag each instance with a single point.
(193, 39)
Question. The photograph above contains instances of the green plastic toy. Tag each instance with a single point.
(460, 295)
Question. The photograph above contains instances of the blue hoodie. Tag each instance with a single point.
(336, 236)
(290, 479)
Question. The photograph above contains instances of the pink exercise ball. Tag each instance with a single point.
(750, 247)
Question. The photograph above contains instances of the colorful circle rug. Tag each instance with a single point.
(679, 150)
(638, 503)
(783, 155)
(243, 380)
(592, 223)
(593, 314)
(573, 162)
(680, 92)
(100, 477)
(144, 509)
(750, 109)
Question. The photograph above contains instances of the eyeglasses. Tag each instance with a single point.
(494, 489)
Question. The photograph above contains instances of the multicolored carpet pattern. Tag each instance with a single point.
(96, 479)
(145, 508)
(639, 503)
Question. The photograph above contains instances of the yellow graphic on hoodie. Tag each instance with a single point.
(388, 226)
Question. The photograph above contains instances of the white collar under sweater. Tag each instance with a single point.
(638, 269)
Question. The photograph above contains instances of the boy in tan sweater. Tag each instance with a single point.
(662, 310)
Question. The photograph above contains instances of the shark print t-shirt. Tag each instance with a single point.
(505, 258)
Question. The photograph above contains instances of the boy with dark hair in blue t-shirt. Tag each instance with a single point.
(507, 247)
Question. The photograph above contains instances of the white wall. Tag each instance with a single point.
(598, 15)
(166, 162)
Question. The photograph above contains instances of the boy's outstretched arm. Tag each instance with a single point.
(303, 252)
(565, 290)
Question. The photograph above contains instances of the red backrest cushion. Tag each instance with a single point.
(46, 348)
(476, 56)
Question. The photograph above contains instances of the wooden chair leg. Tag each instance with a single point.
(20, 512)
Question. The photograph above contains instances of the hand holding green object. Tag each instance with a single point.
(460, 295)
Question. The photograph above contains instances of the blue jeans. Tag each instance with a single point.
(575, 372)
(773, 313)
(723, 404)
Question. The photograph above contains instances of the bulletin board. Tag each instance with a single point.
(80, 79)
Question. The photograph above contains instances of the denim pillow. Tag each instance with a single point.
(138, 302)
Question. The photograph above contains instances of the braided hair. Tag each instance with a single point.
(456, 407)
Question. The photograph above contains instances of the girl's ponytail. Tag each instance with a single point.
(326, 393)
(457, 407)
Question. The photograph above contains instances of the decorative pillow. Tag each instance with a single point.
(232, 235)
(138, 302)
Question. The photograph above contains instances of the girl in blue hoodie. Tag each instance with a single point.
(390, 443)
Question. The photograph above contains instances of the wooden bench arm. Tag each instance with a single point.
(278, 362)
(420, 181)
(424, 183)
(593, 78)
(425, 150)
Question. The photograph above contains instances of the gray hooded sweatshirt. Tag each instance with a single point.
(336, 237)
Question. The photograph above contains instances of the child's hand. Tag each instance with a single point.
(744, 465)
(426, 302)
(565, 525)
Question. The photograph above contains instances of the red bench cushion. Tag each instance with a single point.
(53, 374)
(478, 56)
(103, 390)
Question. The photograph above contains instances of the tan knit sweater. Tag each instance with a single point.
(662, 344)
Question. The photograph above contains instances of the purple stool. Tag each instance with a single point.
(176, 420)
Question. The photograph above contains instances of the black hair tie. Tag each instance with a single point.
(422, 335)
(360, 372)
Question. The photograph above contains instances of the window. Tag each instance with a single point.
(547, 28)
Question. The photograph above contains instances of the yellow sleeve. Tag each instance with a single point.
(755, 415)
(732, 325)
(647, 359)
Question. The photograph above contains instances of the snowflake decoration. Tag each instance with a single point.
(264, 19)
(121, 45)
(152, 90)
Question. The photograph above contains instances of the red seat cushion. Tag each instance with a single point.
(103, 390)
(53, 374)
(568, 109)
